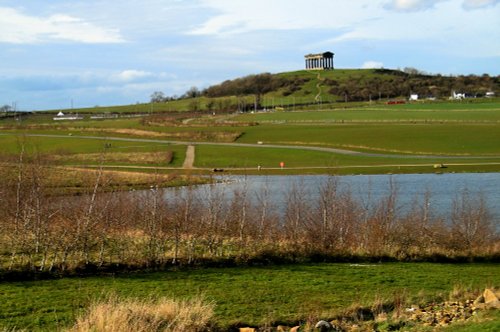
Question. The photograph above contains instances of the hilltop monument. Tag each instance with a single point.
(319, 61)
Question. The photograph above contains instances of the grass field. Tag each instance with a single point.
(445, 139)
(468, 131)
(378, 115)
(254, 296)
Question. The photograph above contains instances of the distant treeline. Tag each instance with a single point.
(393, 84)
(357, 86)
(41, 232)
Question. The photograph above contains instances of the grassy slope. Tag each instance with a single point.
(249, 295)
(304, 95)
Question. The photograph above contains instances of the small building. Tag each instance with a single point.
(319, 61)
(457, 96)
(61, 116)
(413, 97)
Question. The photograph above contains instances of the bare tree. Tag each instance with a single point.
(471, 226)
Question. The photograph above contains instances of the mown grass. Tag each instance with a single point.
(251, 157)
(460, 129)
(474, 139)
(252, 295)
(12, 143)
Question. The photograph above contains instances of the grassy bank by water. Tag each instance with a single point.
(252, 295)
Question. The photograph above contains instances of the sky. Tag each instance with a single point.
(83, 53)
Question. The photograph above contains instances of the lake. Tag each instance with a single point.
(444, 189)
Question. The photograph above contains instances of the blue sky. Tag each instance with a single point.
(97, 52)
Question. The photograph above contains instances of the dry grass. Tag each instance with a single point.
(204, 135)
(115, 314)
(125, 157)
(58, 176)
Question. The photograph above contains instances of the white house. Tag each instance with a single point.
(413, 97)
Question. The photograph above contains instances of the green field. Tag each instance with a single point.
(392, 138)
(445, 139)
(253, 296)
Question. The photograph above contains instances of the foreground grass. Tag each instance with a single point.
(254, 295)
(487, 321)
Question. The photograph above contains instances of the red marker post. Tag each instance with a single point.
(282, 165)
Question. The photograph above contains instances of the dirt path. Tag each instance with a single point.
(190, 154)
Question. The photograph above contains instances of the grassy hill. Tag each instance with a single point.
(304, 89)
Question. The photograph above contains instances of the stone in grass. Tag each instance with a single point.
(324, 326)
(490, 297)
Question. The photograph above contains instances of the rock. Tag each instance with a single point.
(382, 317)
(281, 328)
(490, 297)
(324, 326)
(295, 329)
(248, 329)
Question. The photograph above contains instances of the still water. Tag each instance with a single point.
(443, 189)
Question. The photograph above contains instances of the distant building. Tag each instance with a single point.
(490, 94)
(320, 61)
(62, 116)
(457, 96)
(413, 97)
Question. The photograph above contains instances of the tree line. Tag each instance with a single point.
(44, 232)
(381, 84)
(392, 84)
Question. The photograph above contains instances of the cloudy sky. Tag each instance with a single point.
(109, 52)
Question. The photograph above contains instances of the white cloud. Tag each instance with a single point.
(131, 75)
(478, 4)
(241, 16)
(411, 5)
(372, 65)
(19, 28)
